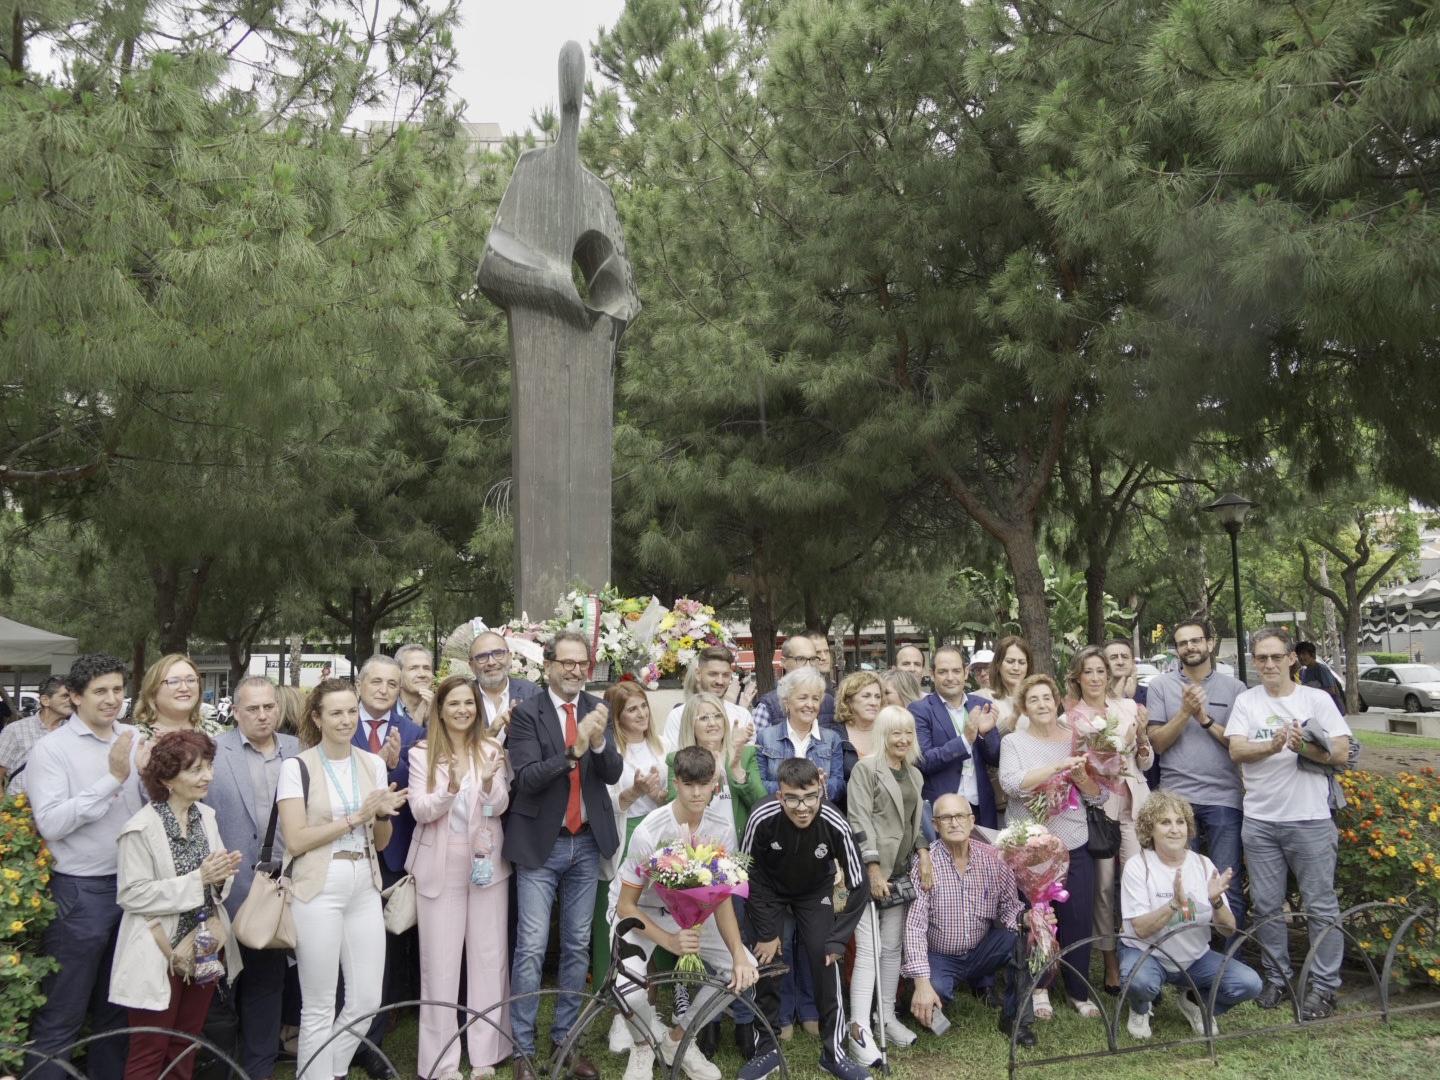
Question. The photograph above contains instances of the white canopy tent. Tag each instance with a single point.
(31, 649)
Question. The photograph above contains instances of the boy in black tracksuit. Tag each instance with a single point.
(795, 841)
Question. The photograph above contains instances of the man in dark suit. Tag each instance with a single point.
(957, 737)
(499, 693)
(387, 731)
(247, 769)
(561, 824)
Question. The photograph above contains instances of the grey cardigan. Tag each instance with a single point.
(876, 807)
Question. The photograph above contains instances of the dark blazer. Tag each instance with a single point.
(540, 789)
(231, 796)
(402, 825)
(943, 753)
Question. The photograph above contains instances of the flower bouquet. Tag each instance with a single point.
(1053, 797)
(1097, 739)
(692, 880)
(608, 621)
(1039, 861)
(688, 627)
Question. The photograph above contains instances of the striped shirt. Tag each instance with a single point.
(1022, 751)
(954, 916)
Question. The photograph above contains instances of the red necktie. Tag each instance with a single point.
(573, 820)
(375, 735)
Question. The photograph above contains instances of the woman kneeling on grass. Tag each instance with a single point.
(1168, 885)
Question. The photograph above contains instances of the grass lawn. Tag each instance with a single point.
(1383, 740)
(1408, 1047)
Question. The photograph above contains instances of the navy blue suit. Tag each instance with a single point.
(943, 754)
(540, 790)
(402, 825)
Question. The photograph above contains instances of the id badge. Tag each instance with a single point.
(482, 870)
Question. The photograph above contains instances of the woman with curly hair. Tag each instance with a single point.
(173, 869)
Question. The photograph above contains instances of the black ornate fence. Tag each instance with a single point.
(1380, 981)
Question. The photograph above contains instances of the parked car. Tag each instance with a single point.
(1144, 672)
(1412, 687)
(1364, 660)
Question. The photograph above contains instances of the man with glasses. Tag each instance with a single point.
(20, 736)
(797, 652)
(965, 929)
(1188, 712)
(1273, 729)
(560, 826)
(499, 693)
(796, 841)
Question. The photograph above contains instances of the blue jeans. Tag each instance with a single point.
(1239, 983)
(1307, 849)
(977, 967)
(1217, 834)
(571, 873)
(82, 940)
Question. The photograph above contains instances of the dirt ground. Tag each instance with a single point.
(1391, 760)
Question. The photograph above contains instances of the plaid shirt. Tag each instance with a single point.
(16, 742)
(958, 912)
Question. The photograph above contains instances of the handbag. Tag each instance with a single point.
(1102, 838)
(264, 920)
(180, 957)
(400, 905)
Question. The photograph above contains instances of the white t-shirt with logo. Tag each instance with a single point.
(1146, 884)
(660, 828)
(1276, 787)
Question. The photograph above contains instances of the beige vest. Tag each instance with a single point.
(308, 871)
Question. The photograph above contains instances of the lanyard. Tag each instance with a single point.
(351, 805)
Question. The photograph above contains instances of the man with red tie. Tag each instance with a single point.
(388, 732)
(560, 825)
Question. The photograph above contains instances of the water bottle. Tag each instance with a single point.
(208, 965)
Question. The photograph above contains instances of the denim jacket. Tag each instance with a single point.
(773, 745)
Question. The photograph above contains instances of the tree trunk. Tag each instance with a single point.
(1023, 554)
(1096, 572)
(1332, 629)
(239, 653)
(297, 656)
(137, 666)
(17, 41)
(178, 591)
(762, 638)
(889, 641)
(813, 620)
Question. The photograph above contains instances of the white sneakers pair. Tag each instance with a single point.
(861, 1043)
(1138, 1024)
(693, 1064)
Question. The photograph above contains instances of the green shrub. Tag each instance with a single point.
(25, 911)
(1388, 658)
(1390, 850)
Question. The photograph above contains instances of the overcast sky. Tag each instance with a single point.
(509, 50)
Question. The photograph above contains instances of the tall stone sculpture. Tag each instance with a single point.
(557, 215)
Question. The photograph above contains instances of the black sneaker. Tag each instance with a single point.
(843, 1067)
(1272, 996)
(1025, 1035)
(1318, 1005)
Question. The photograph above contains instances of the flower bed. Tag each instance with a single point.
(25, 911)
(1390, 850)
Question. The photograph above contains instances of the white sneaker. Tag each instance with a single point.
(861, 1046)
(1138, 1025)
(621, 1038)
(692, 1063)
(1195, 1014)
(898, 1034)
(641, 1065)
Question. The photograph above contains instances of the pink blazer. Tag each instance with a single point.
(430, 846)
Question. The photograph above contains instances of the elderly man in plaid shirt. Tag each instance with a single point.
(964, 930)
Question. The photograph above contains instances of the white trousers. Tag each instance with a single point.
(866, 971)
(341, 930)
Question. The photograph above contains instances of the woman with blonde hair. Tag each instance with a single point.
(1090, 685)
(1037, 755)
(460, 881)
(737, 776)
(169, 700)
(885, 804)
(901, 687)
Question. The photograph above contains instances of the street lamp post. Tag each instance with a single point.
(1231, 510)
(1410, 629)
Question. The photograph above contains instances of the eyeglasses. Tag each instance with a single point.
(180, 680)
(1270, 658)
(571, 665)
(1189, 641)
(953, 819)
(798, 802)
(486, 657)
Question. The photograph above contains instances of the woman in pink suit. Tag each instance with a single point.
(458, 791)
